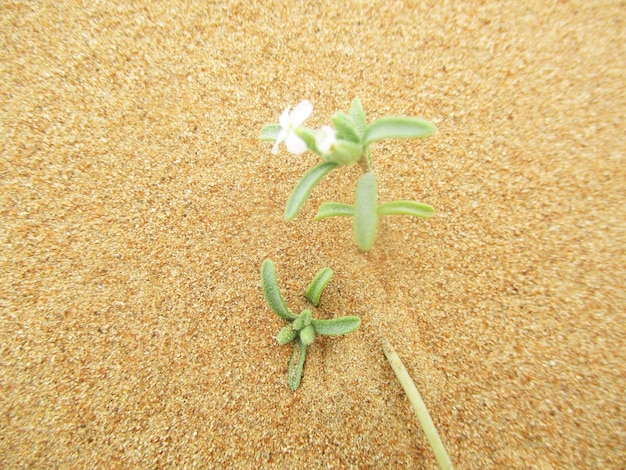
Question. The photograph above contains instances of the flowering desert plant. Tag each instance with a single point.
(302, 329)
(344, 145)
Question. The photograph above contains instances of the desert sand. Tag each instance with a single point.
(138, 204)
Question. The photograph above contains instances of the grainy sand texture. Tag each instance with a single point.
(137, 205)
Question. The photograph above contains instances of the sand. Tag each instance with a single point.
(138, 204)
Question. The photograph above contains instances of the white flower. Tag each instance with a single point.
(290, 121)
(326, 139)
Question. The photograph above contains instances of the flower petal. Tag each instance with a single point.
(301, 112)
(282, 135)
(285, 118)
(326, 139)
(295, 144)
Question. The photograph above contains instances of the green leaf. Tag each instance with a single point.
(304, 187)
(358, 116)
(365, 214)
(270, 132)
(307, 335)
(399, 127)
(309, 136)
(416, 209)
(336, 326)
(296, 364)
(319, 282)
(286, 335)
(334, 209)
(346, 129)
(271, 291)
(304, 319)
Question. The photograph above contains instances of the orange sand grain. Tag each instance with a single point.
(137, 206)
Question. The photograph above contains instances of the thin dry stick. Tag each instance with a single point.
(443, 459)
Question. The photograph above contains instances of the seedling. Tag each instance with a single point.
(302, 329)
(344, 145)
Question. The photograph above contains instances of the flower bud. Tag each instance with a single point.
(345, 152)
(326, 139)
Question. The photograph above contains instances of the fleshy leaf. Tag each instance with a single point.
(319, 282)
(307, 335)
(309, 136)
(270, 132)
(304, 187)
(399, 127)
(286, 335)
(416, 209)
(271, 291)
(334, 209)
(365, 214)
(336, 326)
(358, 116)
(304, 319)
(346, 128)
(294, 375)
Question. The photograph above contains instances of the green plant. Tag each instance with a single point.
(441, 455)
(302, 329)
(348, 143)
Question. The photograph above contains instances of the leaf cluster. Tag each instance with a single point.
(353, 139)
(302, 329)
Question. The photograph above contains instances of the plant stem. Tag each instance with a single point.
(442, 457)
(364, 162)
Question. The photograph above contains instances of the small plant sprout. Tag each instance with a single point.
(302, 329)
(344, 145)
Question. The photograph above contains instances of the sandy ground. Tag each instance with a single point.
(137, 206)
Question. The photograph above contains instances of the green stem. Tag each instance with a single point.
(442, 457)
(364, 161)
